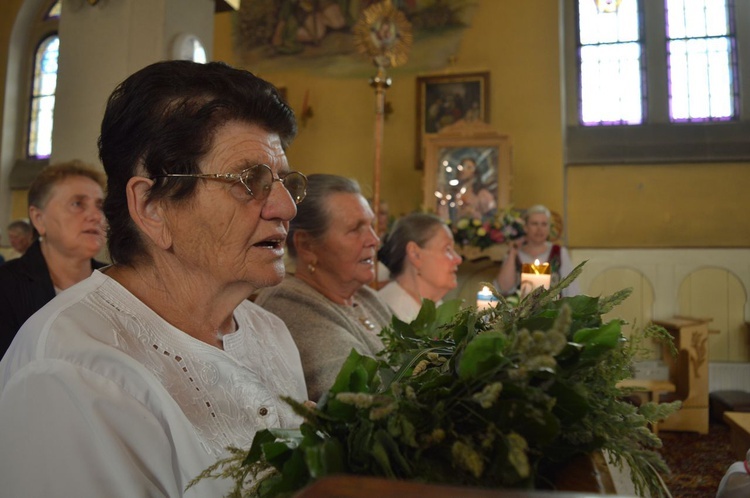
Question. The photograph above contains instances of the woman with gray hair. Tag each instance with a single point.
(423, 262)
(534, 245)
(327, 304)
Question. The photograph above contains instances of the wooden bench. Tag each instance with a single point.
(739, 426)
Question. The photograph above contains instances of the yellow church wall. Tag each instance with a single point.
(658, 205)
(524, 103)
(675, 205)
(670, 205)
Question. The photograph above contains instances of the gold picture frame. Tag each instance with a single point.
(476, 191)
(446, 99)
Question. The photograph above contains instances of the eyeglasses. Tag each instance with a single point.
(257, 180)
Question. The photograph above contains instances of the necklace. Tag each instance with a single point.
(362, 317)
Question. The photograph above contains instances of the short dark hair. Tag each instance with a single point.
(415, 227)
(162, 119)
(313, 213)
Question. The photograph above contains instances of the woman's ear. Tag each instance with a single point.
(147, 214)
(36, 217)
(414, 254)
(304, 244)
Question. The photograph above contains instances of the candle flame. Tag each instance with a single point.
(536, 268)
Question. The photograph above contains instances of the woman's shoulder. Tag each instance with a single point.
(292, 300)
(390, 289)
(290, 288)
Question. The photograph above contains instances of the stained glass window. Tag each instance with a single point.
(700, 51)
(54, 10)
(701, 62)
(43, 98)
(610, 57)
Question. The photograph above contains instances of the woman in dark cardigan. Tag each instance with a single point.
(65, 207)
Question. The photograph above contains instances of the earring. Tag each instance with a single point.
(311, 267)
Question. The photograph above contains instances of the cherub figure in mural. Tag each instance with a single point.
(308, 21)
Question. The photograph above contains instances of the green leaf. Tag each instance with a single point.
(607, 336)
(387, 456)
(425, 318)
(356, 374)
(324, 459)
(276, 453)
(571, 405)
(359, 443)
(482, 354)
(256, 449)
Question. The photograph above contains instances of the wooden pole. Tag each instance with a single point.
(380, 83)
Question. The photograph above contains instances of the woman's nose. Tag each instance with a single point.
(95, 212)
(374, 239)
(279, 203)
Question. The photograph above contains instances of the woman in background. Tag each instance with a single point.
(532, 247)
(65, 208)
(21, 236)
(327, 304)
(420, 255)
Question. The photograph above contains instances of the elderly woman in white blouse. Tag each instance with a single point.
(420, 254)
(135, 380)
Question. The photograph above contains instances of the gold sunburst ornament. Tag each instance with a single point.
(383, 33)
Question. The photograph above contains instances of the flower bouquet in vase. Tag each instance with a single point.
(488, 236)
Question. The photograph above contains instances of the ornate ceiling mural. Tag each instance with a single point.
(318, 35)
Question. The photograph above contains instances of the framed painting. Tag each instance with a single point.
(443, 100)
(468, 172)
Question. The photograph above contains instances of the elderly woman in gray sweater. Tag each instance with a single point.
(326, 304)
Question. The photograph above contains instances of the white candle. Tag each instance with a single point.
(485, 299)
(533, 276)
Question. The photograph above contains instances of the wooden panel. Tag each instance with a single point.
(739, 425)
(738, 330)
(586, 479)
(689, 372)
(718, 294)
(705, 286)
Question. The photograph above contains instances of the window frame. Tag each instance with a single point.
(657, 140)
(32, 96)
(25, 168)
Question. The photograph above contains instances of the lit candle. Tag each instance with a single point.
(533, 276)
(485, 299)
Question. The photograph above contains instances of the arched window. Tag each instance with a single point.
(657, 81)
(43, 98)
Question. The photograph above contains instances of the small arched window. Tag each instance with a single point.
(43, 98)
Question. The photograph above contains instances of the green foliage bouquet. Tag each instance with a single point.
(502, 398)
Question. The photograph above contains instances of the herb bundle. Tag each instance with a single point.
(502, 398)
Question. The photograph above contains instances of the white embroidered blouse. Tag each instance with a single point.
(101, 397)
